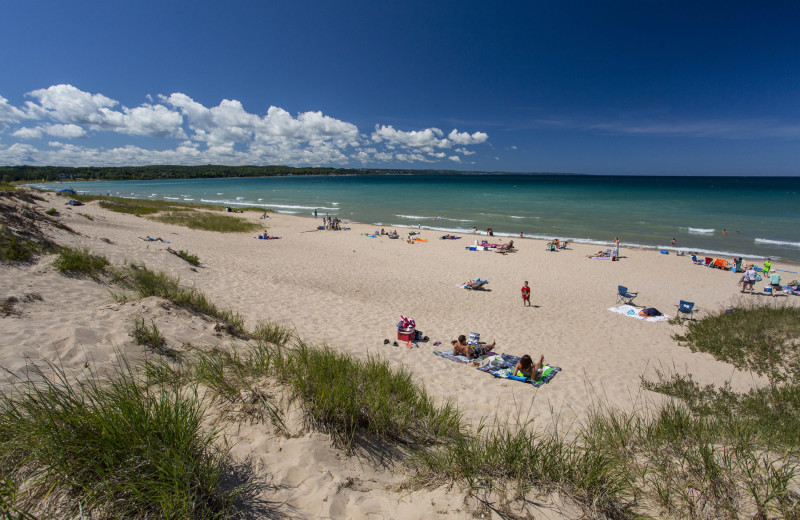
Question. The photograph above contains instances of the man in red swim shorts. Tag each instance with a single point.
(526, 295)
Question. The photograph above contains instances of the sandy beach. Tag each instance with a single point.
(348, 290)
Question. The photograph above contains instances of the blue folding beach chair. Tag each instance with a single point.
(623, 296)
(686, 309)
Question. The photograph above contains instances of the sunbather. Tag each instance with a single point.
(462, 348)
(475, 284)
(527, 368)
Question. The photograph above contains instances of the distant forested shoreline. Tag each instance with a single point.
(124, 173)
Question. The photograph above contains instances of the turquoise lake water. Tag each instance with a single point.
(761, 216)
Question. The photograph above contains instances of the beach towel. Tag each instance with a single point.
(448, 354)
(633, 312)
(506, 364)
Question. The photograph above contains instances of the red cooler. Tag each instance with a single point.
(406, 334)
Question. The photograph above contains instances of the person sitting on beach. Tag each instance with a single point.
(265, 215)
(526, 368)
(382, 232)
(505, 248)
(462, 348)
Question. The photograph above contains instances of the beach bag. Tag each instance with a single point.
(758, 277)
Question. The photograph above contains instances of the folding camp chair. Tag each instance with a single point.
(685, 308)
(623, 296)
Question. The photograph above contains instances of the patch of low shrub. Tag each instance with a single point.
(80, 262)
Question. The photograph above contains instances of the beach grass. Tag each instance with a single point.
(347, 397)
(131, 206)
(14, 248)
(150, 337)
(150, 283)
(274, 333)
(208, 221)
(185, 255)
(762, 337)
(80, 262)
(52, 212)
(119, 448)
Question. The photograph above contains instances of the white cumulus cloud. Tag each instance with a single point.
(28, 133)
(68, 131)
(184, 131)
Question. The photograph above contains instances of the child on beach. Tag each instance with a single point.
(526, 368)
(526, 295)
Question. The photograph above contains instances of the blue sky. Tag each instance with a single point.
(615, 87)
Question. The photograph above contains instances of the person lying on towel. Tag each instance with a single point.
(462, 348)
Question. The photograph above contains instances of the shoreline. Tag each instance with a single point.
(537, 213)
(716, 253)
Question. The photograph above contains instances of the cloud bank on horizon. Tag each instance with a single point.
(63, 125)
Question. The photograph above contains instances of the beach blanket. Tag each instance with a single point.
(633, 312)
(506, 364)
(448, 354)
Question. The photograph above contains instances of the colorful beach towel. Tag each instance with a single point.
(448, 354)
(633, 312)
(506, 363)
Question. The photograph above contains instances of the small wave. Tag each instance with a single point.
(415, 217)
(172, 198)
(152, 195)
(265, 205)
(239, 198)
(700, 231)
(335, 203)
(777, 242)
(434, 228)
(188, 199)
(515, 216)
(219, 193)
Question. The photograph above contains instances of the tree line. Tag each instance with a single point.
(122, 173)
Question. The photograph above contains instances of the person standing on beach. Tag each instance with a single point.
(526, 295)
(748, 279)
(615, 256)
(767, 266)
